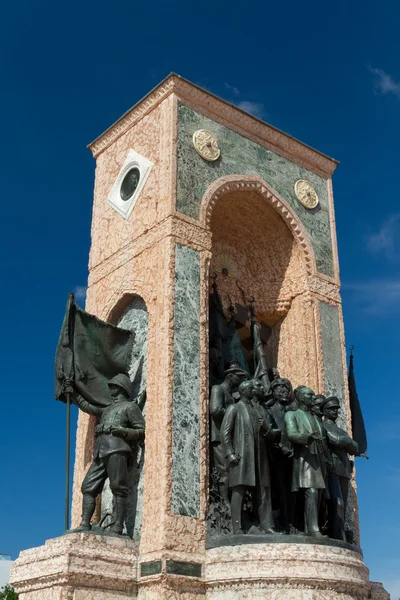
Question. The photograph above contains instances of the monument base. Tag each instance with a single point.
(285, 572)
(77, 566)
(84, 566)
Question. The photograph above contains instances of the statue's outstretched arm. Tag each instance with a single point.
(84, 405)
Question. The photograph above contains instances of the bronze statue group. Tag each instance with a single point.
(280, 452)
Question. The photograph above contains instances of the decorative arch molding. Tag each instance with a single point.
(121, 304)
(118, 300)
(233, 183)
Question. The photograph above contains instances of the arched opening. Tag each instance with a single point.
(260, 251)
(130, 312)
(254, 254)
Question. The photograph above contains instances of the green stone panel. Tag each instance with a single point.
(150, 568)
(240, 155)
(186, 411)
(332, 355)
(188, 569)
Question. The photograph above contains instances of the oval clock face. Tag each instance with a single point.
(206, 144)
(306, 193)
(129, 184)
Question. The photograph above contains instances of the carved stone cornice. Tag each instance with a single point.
(179, 227)
(232, 116)
(328, 289)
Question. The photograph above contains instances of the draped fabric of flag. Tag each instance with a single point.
(357, 419)
(90, 352)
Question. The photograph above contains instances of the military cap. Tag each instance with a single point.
(281, 381)
(319, 399)
(331, 401)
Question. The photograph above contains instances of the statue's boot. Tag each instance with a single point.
(88, 508)
(120, 514)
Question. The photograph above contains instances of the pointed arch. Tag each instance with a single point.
(254, 183)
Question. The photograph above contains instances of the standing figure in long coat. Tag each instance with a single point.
(307, 434)
(339, 472)
(220, 398)
(242, 432)
(281, 452)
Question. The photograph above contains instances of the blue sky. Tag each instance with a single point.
(327, 73)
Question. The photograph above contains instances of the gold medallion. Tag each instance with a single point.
(206, 144)
(306, 193)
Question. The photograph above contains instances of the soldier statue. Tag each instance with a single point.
(221, 397)
(281, 452)
(306, 432)
(120, 430)
(242, 434)
(339, 472)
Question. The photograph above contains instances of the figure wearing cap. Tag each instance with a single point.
(120, 429)
(339, 471)
(220, 398)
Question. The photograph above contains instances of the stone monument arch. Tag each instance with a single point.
(264, 251)
(187, 185)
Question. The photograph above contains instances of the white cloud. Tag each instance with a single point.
(254, 108)
(235, 91)
(384, 83)
(387, 239)
(376, 297)
(80, 292)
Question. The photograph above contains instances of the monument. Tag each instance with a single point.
(210, 356)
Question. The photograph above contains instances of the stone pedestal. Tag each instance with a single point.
(90, 567)
(77, 567)
(285, 572)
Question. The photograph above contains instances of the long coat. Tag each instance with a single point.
(340, 444)
(238, 437)
(309, 467)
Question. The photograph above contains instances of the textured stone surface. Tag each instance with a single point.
(186, 411)
(333, 357)
(378, 592)
(241, 155)
(264, 260)
(285, 571)
(63, 566)
(135, 318)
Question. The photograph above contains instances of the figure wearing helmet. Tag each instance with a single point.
(120, 429)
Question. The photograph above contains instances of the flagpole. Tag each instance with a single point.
(67, 460)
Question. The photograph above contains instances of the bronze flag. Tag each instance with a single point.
(90, 352)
